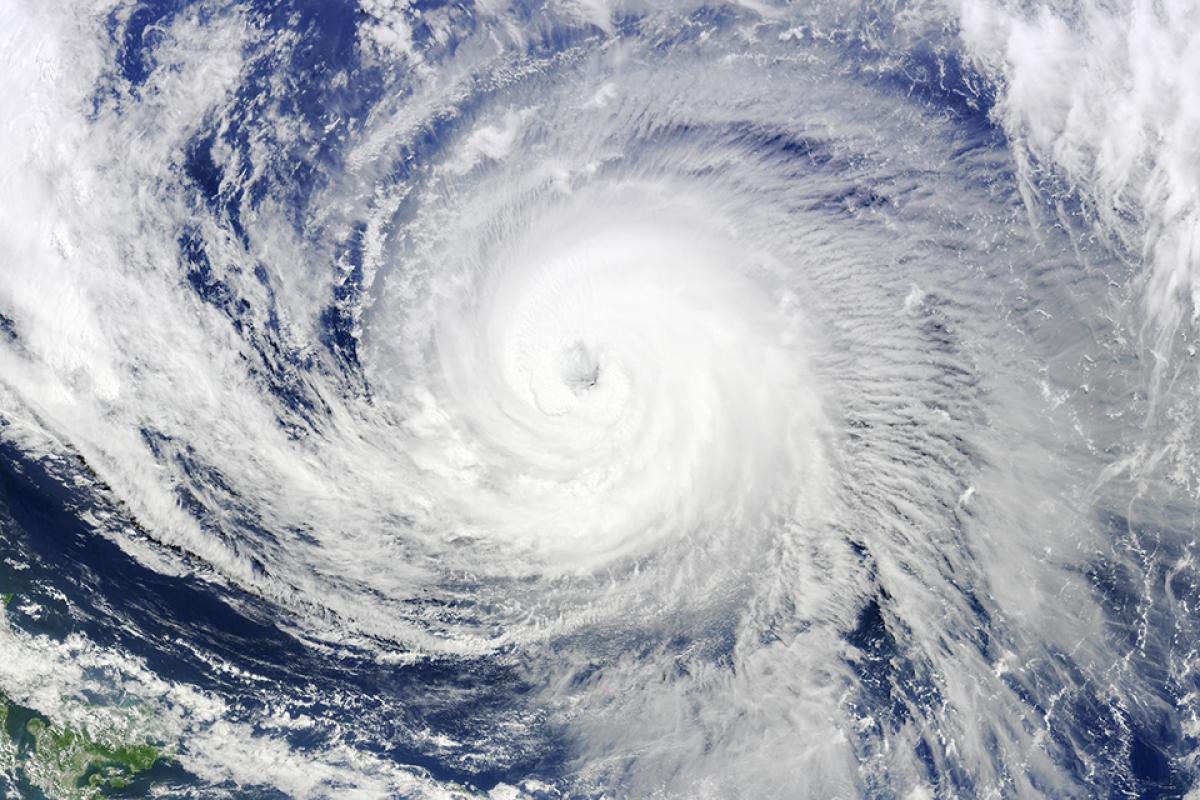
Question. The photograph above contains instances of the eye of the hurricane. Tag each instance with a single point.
(558, 386)
(613, 381)
(579, 367)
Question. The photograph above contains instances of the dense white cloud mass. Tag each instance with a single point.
(590, 399)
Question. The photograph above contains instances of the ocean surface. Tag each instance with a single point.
(599, 399)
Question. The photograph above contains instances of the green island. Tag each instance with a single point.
(68, 763)
(72, 762)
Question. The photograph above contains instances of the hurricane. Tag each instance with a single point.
(599, 399)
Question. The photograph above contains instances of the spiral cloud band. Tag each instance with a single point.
(589, 399)
(607, 382)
